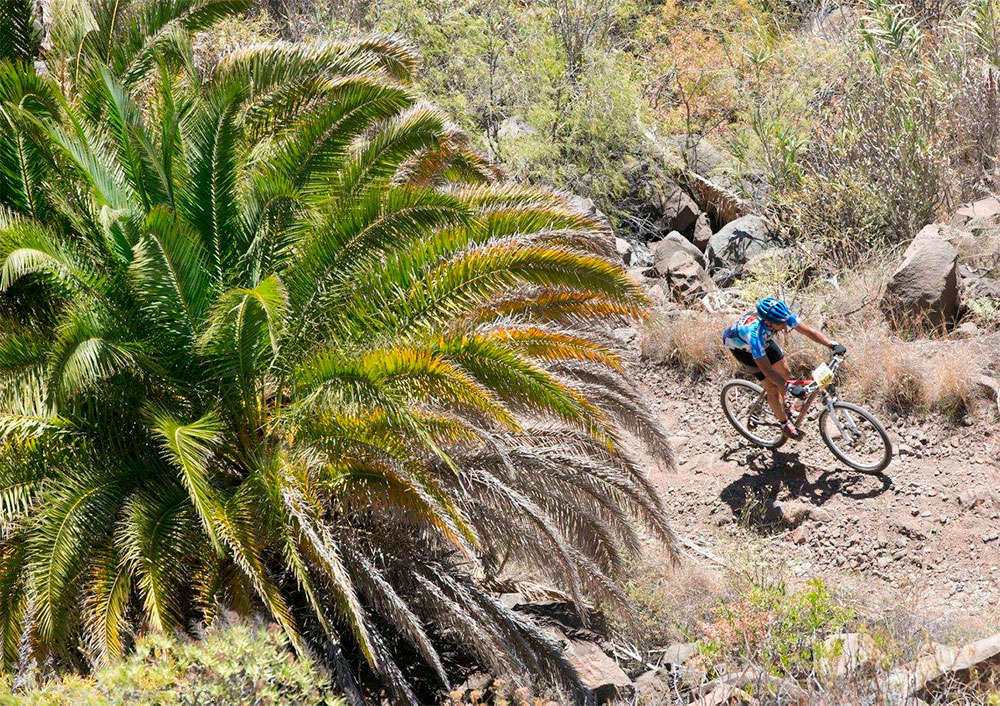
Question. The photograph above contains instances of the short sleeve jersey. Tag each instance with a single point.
(751, 335)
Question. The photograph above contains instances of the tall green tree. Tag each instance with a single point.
(276, 339)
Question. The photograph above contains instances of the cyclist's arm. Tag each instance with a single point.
(773, 375)
(814, 334)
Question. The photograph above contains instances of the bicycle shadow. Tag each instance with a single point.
(753, 496)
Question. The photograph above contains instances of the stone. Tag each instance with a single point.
(625, 334)
(587, 207)
(598, 673)
(702, 157)
(800, 535)
(679, 653)
(842, 653)
(679, 210)
(977, 662)
(984, 209)
(702, 232)
(735, 243)
(958, 238)
(514, 128)
(625, 250)
(673, 242)
(976, 286)
(726, 695)
(794, 511)
(688, 280)
(651, 687)
(966, 329)
(924, 288)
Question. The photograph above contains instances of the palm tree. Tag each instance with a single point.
(277, 339)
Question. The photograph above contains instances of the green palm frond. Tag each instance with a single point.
(73, 521)
(109, 589)
(18, 35)
(187, 447)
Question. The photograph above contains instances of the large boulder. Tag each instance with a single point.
(959, 239)
(663, 250)
(924, 288)
(738, 241)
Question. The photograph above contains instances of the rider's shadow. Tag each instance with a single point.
(752, 497)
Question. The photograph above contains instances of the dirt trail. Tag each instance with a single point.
(925, 533)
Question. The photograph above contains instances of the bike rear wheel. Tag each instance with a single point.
(746, 408)
(855, 437)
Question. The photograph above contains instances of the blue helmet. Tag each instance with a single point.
(774, 310)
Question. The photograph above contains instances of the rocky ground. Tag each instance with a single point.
(925, 532)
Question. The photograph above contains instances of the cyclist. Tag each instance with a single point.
(751, 341)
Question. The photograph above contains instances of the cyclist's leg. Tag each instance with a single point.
(775, 399)
(775, 392)
(778, 402)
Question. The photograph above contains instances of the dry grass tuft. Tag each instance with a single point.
(904, 377)
(884, 369)
(690, 340)
(949, 379)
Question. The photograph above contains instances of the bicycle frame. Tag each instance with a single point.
(828, 393)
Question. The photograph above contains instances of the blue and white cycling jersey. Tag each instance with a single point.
(751, 335)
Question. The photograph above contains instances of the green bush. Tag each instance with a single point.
(238, 664)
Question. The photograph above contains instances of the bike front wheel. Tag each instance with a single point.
(855, 437)
(747, 410)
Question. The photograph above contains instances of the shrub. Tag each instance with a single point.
(240, 663)
(691, 340)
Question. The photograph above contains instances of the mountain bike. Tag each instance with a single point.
(851, 432)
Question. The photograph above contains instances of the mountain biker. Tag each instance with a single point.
(751, 341)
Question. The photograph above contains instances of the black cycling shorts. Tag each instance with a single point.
(773, 352)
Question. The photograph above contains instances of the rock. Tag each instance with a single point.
(976, 286)
(625, 334)
(984, 210)
(841, 654)
(688, 280)
(651, 687)
(701, 157)
(800, 535)
(679, 210)
(478, 681)
(924, 288)
(726, 695)
(735, 243)
(967, 329)
(977, 662)
(625, 250)
(794, 512)
(514, 128)
(679, 653)
(599, 674)
(674, 242)
(589, 209)
(702, 232)
(956, 237)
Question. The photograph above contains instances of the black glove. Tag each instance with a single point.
(796, 390)
(838, 349)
